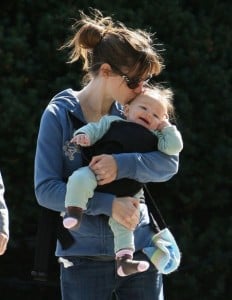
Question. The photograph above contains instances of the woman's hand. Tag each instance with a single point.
(105, 168)
(125, 210)
(3, 243)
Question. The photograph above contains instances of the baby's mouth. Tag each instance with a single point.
(144, 121)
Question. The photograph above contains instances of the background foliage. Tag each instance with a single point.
(197, 37)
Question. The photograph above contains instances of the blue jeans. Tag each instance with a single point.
(90, 279)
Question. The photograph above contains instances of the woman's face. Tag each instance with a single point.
(122, 93)
(122, 89)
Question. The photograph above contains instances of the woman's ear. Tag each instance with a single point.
(105, 69)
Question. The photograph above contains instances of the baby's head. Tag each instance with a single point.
(151, 107)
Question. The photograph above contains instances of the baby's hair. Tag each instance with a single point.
(165, 96)
(98, 39)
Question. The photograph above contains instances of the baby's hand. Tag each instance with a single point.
(162, 124)
(81, 139)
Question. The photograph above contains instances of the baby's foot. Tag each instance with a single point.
(127, 266)
(72, 217)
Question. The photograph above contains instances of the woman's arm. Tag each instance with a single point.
(124, 210)
(147, 167)
(143, 167)
(49, 182)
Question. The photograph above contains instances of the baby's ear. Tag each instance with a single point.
(166, 117)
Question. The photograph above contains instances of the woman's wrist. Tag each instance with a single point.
(124, 166)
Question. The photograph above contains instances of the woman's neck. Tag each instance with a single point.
(93, 102)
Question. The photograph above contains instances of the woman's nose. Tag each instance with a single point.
(140, 88)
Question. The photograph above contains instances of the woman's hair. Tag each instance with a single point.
(99, 40)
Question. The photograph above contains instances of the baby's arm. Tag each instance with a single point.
(93, 131)
(169, 139)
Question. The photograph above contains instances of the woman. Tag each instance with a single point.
(117, 61)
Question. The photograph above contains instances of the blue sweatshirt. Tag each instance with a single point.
(56, 159)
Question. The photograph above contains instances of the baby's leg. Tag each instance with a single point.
(124, 249)
(80, 187)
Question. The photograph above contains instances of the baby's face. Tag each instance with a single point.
(146, 111)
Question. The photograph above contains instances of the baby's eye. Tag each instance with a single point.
(155, 116)
(143, 107)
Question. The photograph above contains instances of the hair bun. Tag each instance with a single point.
(90, 35)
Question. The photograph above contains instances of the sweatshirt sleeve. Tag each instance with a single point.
(147, 167)
(4, 216)
(50, 186)
(169, 140)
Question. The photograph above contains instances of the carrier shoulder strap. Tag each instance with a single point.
(156, 217)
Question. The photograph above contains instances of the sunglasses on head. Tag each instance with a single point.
(132, 83)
